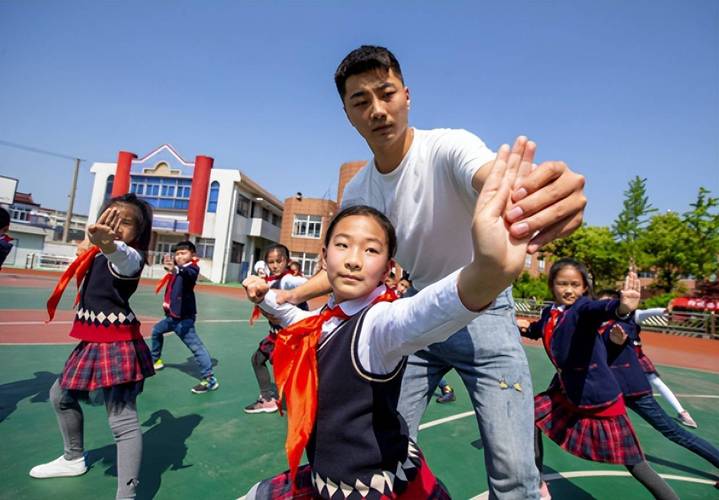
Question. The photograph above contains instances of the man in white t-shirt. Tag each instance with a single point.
(426, 182)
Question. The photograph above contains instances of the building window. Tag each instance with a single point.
(243, 206)
(205, 247)
(276, 220)
(214, 195)
(527, 261)
(19, 214)
(108, 187)
(307, 261)
(162, 192)
(162, 248)
(307, 226)
(266, 215)
(237, 250)
(540, 262)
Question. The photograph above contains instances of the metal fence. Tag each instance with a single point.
(676, 323)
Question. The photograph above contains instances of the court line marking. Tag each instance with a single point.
(22, 323)
(605, 473)
(440, 421)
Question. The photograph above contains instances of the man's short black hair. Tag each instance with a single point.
(184, 245)
(4, 218)
(366, 58)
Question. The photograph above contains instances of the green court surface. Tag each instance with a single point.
(205, 446)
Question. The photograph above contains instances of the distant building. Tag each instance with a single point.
(229, 216)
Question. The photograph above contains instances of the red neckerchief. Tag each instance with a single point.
(167, 279)
(295, 366)
(548, 331)
(77, 269)
(256, 311)
(6, 238)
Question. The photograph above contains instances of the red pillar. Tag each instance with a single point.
(198, 193)
(121, 184)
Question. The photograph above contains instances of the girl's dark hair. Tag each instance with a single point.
(581, 269)
(277, 247)
(366, 58)
(141, 243)
(366, 211)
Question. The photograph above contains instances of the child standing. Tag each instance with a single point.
(5, 245)
(583, 410)
(340, 368)
(180, 312)
(111, 355)
(277, 258)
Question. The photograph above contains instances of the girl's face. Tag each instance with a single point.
(128, 227)
(568, 286)
(277, 262)
(357, 257)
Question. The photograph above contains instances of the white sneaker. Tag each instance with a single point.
(60, 468)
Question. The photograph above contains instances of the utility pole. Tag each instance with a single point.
(71, 205)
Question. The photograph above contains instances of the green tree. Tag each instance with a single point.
(596, 247)
(664, 243)
(701, 239)
(527, 287)
(632, 221)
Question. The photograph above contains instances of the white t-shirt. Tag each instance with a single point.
(430, 200)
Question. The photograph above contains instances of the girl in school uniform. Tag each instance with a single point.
(112, 355)
(583, 409)
(340, 368)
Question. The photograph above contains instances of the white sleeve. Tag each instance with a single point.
(286, 313)
(643, 314)
(289, 282)
(466, 153)
(392, 330)
(125, 260)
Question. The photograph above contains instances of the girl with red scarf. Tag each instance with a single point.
(340, 369)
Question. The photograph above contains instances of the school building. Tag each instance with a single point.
(230, 217)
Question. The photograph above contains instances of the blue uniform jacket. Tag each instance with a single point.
(579, 353)
(182, 294)
(624, 363)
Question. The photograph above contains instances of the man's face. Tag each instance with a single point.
(377, 105)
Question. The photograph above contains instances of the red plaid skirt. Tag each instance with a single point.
(93, 365)
(600, 439)
(267, 345)
(646, 363)
(424, 486)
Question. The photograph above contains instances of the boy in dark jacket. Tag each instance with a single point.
(5, 245)
(180, 312)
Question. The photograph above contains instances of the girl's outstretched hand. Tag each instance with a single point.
(104, 232)
(256, 288)
(630, 294)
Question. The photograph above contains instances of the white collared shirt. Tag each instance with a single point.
(391, 330)
(125, 260)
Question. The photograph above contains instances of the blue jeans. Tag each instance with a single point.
(489, 358)
(185, 329)
(648, 408)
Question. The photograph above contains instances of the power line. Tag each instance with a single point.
(37, 150)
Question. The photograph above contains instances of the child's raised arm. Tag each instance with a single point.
(498, 256)
(258, 291)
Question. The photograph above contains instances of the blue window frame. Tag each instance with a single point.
(214, 195)
(162, 192)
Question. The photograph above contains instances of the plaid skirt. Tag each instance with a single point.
(646, 363)
(424, 486)
(267, 345)
(600, 439)
(94, 365)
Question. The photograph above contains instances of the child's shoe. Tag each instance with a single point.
(686, 419)
(158, 365)
(262, 406)
(60, 468)
(544, 491)
(447, 395)
(206, 385)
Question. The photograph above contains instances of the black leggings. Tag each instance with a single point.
(259, 364)
(642, 472)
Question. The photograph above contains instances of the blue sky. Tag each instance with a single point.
(614, 88)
